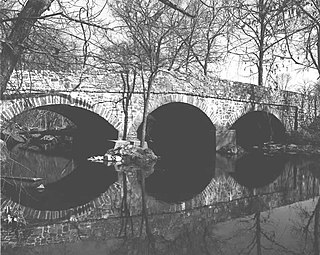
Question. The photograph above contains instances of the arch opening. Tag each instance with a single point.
(93, 133)
(184, 138)
(258, 127)
(180, 130)
(69, 179)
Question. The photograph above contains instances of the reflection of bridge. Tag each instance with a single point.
(104, 194)
(218, 102)
(223, 199)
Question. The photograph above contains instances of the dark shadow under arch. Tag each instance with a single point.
(93, 132)
(184, 137)
(258, 127)
(181, 131)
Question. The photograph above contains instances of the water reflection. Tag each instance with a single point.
(83, 184)
(255, 204)
(175, 182)
(254, 170)
(288, 230)
(29, 163)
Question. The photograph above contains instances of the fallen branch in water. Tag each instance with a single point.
(25, 179)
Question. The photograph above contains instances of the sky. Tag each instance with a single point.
(236, 70)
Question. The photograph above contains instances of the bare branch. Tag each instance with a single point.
(176, 7)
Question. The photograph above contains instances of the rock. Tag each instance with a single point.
(127, 155)
(231, 149)
(98, 159)
(137, 155)
(113, 158)
(291, 149)
(41, 188)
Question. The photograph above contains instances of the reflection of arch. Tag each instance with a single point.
(258, 127)
(21, 105)
(76, 193)
(179, 182)
(256, 170)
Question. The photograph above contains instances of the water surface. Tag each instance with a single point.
(253, 204)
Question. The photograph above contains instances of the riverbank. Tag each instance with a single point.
(291, 149)
(272, 149)
(303, 142)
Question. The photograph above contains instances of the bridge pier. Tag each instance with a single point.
(225, 137)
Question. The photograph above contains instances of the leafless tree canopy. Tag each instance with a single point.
(140, 38)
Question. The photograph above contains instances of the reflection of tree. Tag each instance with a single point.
(144, 242)
(195, 237)
(309, 227)
(196, 234)
(144, 213)
(262, 239)
(256, 206)
(125, 210)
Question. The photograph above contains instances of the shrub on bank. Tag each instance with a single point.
(309, 135)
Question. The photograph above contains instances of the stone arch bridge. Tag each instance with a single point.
(193, 118)
(103, 112)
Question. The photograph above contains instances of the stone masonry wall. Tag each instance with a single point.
(223, 101)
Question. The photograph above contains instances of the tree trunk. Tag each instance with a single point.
(125, 125)
(260, 68)
(126, 96)
(145, 112)
(318, 50)
(12, 47)
(261, 42)
(144, 122)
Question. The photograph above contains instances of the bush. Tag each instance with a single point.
(315, 125)
(305, 136)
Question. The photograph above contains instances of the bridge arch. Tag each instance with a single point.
(24, 104)
(247, 107)
(96, 125)
(180, 132)
(257, 127)
(158, 101)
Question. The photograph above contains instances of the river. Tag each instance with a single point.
(253, 204)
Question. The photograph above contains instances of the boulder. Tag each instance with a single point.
(231, 149)
(134, 155)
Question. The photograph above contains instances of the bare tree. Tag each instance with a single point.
(149, 25)
(120, 58)
(206, 36)
(303, 44)
(60, 39)
(260, 31)
(12, 46)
